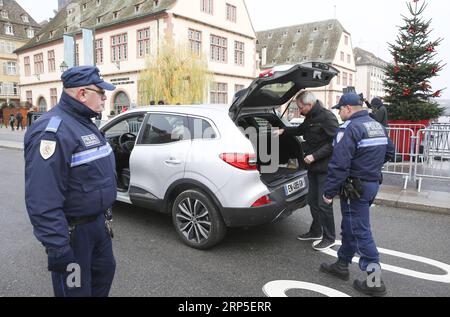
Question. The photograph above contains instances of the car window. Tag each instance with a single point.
(165, 129)
(128, 125)
(201, 129)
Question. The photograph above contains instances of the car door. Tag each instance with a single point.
(159, 158)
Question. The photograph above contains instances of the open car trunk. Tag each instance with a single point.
(257, 128)
(254, 107)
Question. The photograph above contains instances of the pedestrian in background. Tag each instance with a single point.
(11, 121)
(19, 119)
(361, 148)
(379, 111)
(318, 131)
(1, 118)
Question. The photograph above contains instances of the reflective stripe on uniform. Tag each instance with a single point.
(91, 155)
(373, 142)
(53, 125)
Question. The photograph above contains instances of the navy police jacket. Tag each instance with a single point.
(361, 148)
(69, 171)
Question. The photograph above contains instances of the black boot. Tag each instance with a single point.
(376, 291)
(338, 269)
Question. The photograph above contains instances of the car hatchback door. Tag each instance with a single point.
(159, 157)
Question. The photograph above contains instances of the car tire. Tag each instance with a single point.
(197, 220)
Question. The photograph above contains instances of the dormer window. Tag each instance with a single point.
(30, 33)
(155, 3)
(66, 29)
(270, 35)
(9, 29)
(299, 31)
(115, 14)
(285, 34)
(330, 26)
(51, 34)
(136, 8)
(315, 29)
(84, 6)
(98, 3)
(4, 14)
(25, 18)
(99, 20)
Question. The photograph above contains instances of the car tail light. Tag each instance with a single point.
(246, 162)
(267, 73)
(265, 200)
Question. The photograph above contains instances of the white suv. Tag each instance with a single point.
(212, 166)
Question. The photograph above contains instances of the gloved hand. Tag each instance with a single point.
(59, 259)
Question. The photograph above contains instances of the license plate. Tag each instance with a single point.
(294, 187)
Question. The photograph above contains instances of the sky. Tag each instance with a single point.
(372, 23)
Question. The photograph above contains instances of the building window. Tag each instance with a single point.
(29, 97)
(26, 62)
(9, 89)
(195, 41)
(121, 102)
(119, 47)
(25, 18)
(39, 63)
(350, 80)
(219, 49)
(219, 93)
(349, 59)
(10, 68)
(77, 55)
(270, 35)
(231, 13)
(53, 97)
(4, 14)
(9, 29)
(342, 56)
(99, 51)
(346, 40)
(206, 6)
(7, 47)
(344, 79)
(238, 88)
(143, 42)
(51, 61)
(338, 79)
(239, 53)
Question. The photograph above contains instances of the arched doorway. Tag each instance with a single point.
(42, 105)
(121, 102)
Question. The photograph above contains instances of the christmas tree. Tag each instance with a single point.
(409, 92)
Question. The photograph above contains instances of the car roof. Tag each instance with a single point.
(184, 109)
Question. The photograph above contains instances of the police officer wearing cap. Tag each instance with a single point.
(361, 148)
(70, 187)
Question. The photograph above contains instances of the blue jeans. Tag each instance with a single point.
(356, 233)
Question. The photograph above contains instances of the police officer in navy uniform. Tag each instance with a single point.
(361, 148)
(71, 186)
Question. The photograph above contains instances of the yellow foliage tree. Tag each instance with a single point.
(175, 75)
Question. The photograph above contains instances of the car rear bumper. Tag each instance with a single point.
(280, 208)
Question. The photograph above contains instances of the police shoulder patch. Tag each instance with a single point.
(47, 149)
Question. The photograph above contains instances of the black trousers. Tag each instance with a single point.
(322, 214)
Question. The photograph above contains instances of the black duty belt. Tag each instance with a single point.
(73, 222)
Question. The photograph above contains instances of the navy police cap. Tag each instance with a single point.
(349, 99)
(84, 76)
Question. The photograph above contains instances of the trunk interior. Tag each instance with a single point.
(291, 164)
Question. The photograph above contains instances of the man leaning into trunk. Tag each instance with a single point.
(318, 131)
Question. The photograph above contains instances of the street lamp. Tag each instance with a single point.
(63, 67)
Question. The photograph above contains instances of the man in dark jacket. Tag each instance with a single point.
(318, 130)
(379, 111)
